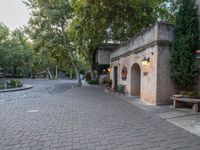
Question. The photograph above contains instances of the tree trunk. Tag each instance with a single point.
(78, 77)
(92, 74)
(56, 76)
(49, 73)
(31, 73)
(91, 69)
(70, 75)
(71, 56)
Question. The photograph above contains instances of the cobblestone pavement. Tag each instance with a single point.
(40, 88)
(87, 119)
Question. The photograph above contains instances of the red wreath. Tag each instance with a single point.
(124, 73)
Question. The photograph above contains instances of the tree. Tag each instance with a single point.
(86, 42)
(21, 54)
(187, 34)
(80, 27)
(119, 20)
(97, 22)
(54, 17)
(4, 37)
(15, 52)
(168, 10)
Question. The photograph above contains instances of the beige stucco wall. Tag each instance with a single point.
(148, 83)
(154, 42)
(157, 86)
(165, 87)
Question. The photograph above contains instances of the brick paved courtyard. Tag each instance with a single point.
(41, 87)
(87, 118)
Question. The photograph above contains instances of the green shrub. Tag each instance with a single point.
(189, 93)
(121, 87)
(184, 67)
(88, 77)
(92, 82)
(15, 83)
(2, 86)
(107, 81)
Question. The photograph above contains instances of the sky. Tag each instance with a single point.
(13, 13)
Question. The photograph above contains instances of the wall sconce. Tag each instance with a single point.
(109, 69)
(145, 61)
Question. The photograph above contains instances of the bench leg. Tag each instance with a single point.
(195, 107)
(177, 104)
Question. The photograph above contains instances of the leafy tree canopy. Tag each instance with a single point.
(186, 42)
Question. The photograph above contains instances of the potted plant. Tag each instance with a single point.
(189, 94)
(108, 83)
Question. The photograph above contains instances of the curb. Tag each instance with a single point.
(25, 87)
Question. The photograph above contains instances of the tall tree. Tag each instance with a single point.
(15, 52)
(101, 21)
(187, 34)
(85, 25)
(4, 37)
(119, 19)
(54, 16)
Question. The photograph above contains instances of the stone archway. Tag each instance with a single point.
(135, 80)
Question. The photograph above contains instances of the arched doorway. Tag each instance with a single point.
(135, 80)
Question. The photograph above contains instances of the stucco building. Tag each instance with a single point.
(142, 64)
(102, 55)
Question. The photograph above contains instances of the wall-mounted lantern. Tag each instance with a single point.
(109, 69)
(145, 61)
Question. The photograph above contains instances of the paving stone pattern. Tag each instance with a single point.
(41, 87)
(87, 118)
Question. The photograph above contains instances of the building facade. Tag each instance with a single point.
(142, 64)
(103, 54)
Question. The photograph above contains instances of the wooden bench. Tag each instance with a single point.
(179, 102)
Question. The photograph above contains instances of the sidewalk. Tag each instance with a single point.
(181, 117)
(87, 118)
